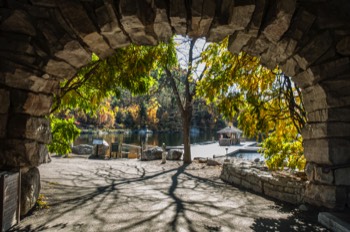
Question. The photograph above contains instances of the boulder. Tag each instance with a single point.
(82, 149)
(152, 154)
(30, 188)
(174, 155)
(211, 162)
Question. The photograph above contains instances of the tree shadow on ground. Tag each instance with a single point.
(144, 196)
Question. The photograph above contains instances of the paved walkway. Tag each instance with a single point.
(130, 195)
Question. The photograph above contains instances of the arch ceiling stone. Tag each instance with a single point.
(45, 41)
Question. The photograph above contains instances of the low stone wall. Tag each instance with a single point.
(255, 177)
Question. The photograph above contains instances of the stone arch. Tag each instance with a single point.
(45, 41)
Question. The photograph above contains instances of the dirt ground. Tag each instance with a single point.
(131, 195)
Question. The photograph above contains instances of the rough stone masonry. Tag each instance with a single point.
(43, 42)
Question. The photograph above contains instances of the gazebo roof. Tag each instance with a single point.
(230, 129)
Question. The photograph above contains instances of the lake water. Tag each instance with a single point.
(155, 139)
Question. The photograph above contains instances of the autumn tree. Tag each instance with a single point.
(266, 101)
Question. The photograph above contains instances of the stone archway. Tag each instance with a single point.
(45, 41)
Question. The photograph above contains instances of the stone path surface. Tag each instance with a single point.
(130, 195)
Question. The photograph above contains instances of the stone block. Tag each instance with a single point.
(323, 176)
(60, 69)
(174, 154)
(278, 19)
(325, 195)
(110, 27)
(283, 196)
(3, 125)
(18, 22)
(21, 79)
(30, 188)
(250, 186)
(290, 68)
(161, 25)
(30, 103)
(313, 50)
(241, 15)
(76, 15)
(74, 54)
(237, 41)
(326, 130)
(310, 171)
(331, 151)
(315, 98)
(152, 154)
(257, 17)
(4, 100)
(22, 153)
(202, 14)
(301, 24)
(178, 16)
(138, 24)
(27, 127)
(342, 176)
(343, 46)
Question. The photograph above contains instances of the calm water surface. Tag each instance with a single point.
(156, 139)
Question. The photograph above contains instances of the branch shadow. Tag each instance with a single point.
(145, 196)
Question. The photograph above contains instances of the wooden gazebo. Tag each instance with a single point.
(229, 136)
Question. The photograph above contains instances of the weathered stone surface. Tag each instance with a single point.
(110, 28)
(302, 22)
(280, 18)
(30, 103)
(332, 151)
(152, 154)
(4, 100)
(324, 130)
(211, 162)
(310, 171)
(74, 54)
(82, 149)
(22, 153)
(330, 115)
(161, 25)
(325, 195)
(313, 50)
(328, 70)
(343, 46)
(24, 80)
(279, 186)
(138, 24)
(342, 176)
(30, 189)
(60, 69)
(237, 41)
(178, 16)
(19, 22)
(174, 155)
(323, 176)
(202, 14)
(290, 67)
(257, 17)
(241, 14)
(27, 127)
(232, 16)
(79, 20)
(315, 98)
(3, 125)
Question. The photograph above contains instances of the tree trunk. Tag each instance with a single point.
(186, 122)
